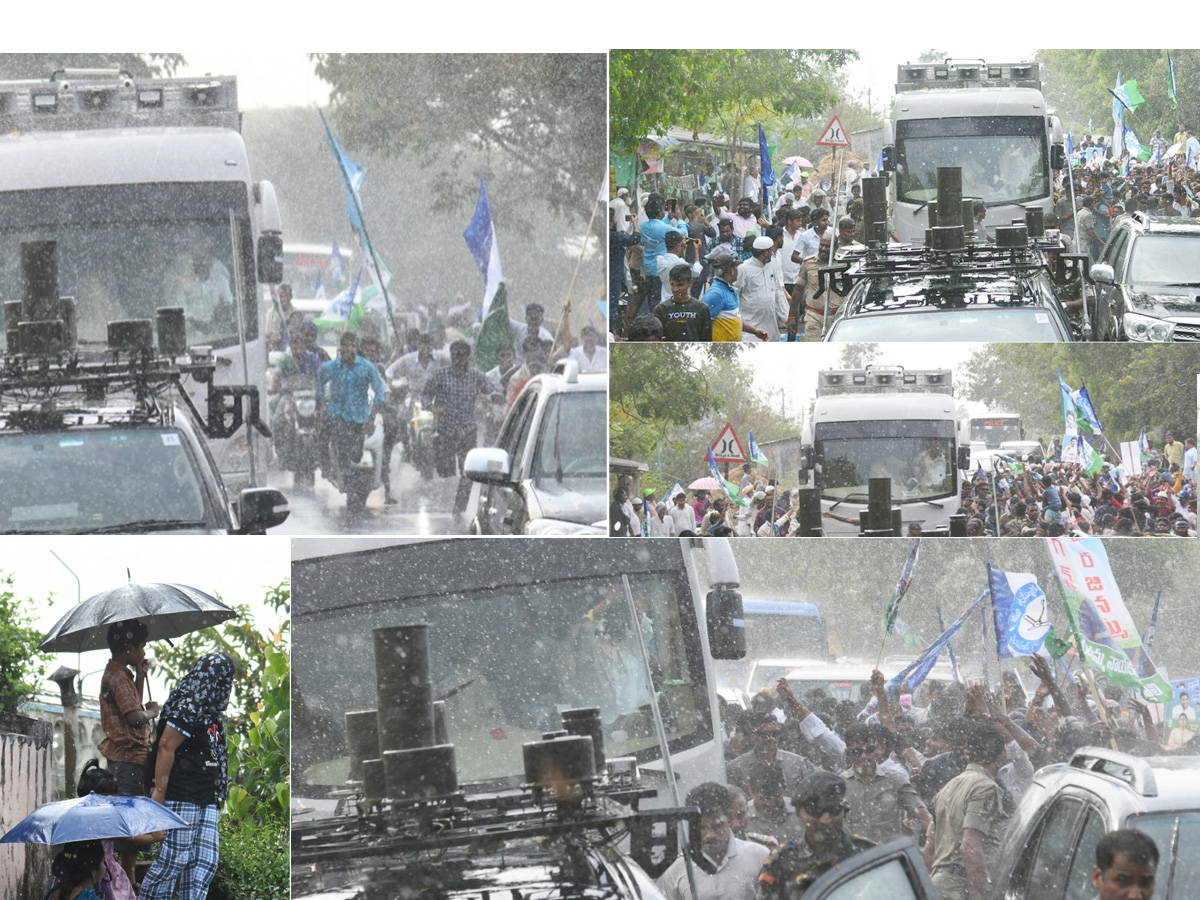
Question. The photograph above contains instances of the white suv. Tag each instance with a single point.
(547, 475)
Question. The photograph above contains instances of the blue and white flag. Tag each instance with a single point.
(949, 648)
(1019, 612)
(756, 455)
(916, 671)
(678, 489)
(480, 235)
(768, 175)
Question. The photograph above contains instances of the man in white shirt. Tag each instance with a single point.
(675, 243)
(757, 289)
(682, 514)
(660, 524)
(534, 313)
(418, 365)
(589, 354)
(620, 207)
(737, 862)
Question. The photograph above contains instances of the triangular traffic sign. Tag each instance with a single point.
(727, 448)
(834, 135)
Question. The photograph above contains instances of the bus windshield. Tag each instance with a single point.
(123, 251)
(917, 455)
(507, 661)
(1003, 158)
(994, 430)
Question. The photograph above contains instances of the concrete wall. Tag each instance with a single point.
(26, 765)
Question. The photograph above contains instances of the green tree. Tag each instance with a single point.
(41, 65)
(1076, 84)
(725, 90)
(22, 666)
(246, 643)
(1131, 387)
(539, 118)
(858, 356)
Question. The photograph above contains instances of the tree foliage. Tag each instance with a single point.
(540, 119)
(668, 402)
(1076, 83)
(22, 665)
(248, 645)
(723, 89)
(41, 65)
(1131, 386)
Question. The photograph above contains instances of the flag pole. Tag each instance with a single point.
(350, 192)
(587, 236)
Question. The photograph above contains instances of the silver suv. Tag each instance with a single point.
(1050, 848)
(1149, 274)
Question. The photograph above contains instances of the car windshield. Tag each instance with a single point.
(1002, 157)
(507, 661)
(123, 252)
(917, 455)
(1165, 259)
(98, 479)
(1177, 835)
(573, 441)
(997, 325)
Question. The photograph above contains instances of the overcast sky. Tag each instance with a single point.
(236, 568)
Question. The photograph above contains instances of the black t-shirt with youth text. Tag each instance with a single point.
(689, 321)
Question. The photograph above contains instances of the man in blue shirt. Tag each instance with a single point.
(344, 386)
(654, 233)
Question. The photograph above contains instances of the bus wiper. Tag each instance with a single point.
(844, 499)
(920, 206)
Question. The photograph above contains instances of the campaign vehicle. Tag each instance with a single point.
(547, 474)
(1050, 848)
(1149, 274)
(990, 120)
(885, 422)
(145, 186)
(994, 427)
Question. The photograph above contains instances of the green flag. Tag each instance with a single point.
(1131, 94)
(495, 333)
(1056, 646)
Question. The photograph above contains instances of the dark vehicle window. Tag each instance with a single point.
(82, 480)
(517, 433)
(1047, 874)
(1178, 838)
(1116, 253)
(889, 880)
(1079, 877)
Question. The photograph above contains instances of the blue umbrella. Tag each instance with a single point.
(91, 818)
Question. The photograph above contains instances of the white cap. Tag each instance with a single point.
(763, 243)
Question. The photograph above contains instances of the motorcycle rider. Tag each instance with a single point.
(416, 367)
(295, 371)
(347, 413)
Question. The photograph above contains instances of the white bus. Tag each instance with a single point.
(518, 632)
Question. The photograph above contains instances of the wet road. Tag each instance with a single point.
(424, 506)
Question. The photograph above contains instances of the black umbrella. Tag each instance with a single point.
(167, 611)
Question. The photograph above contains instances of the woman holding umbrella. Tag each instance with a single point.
(191, 778)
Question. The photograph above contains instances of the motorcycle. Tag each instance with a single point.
(415, 426)
(358, 479)
(294, 428)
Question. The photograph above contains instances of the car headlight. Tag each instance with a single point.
(1147, 328)
(307, 407)
(550, 527)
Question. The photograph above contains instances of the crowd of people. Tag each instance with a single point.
(813, 780)
(182, 764)
(694, 268)
(1014, 499)
(437, 374)
(700, 271)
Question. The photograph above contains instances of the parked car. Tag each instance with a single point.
(1149, 274)
(547, 474)
(1050, 848)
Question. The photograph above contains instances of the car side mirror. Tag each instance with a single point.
(1058, 156)
(964, 458)
(261, 508)
(270, 258)
(1102, 273)
(488, 465)
(808, 458)
(889, 159)
(726, 624)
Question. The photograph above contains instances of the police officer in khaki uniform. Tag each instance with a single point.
(969, 820)
(793, 867)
